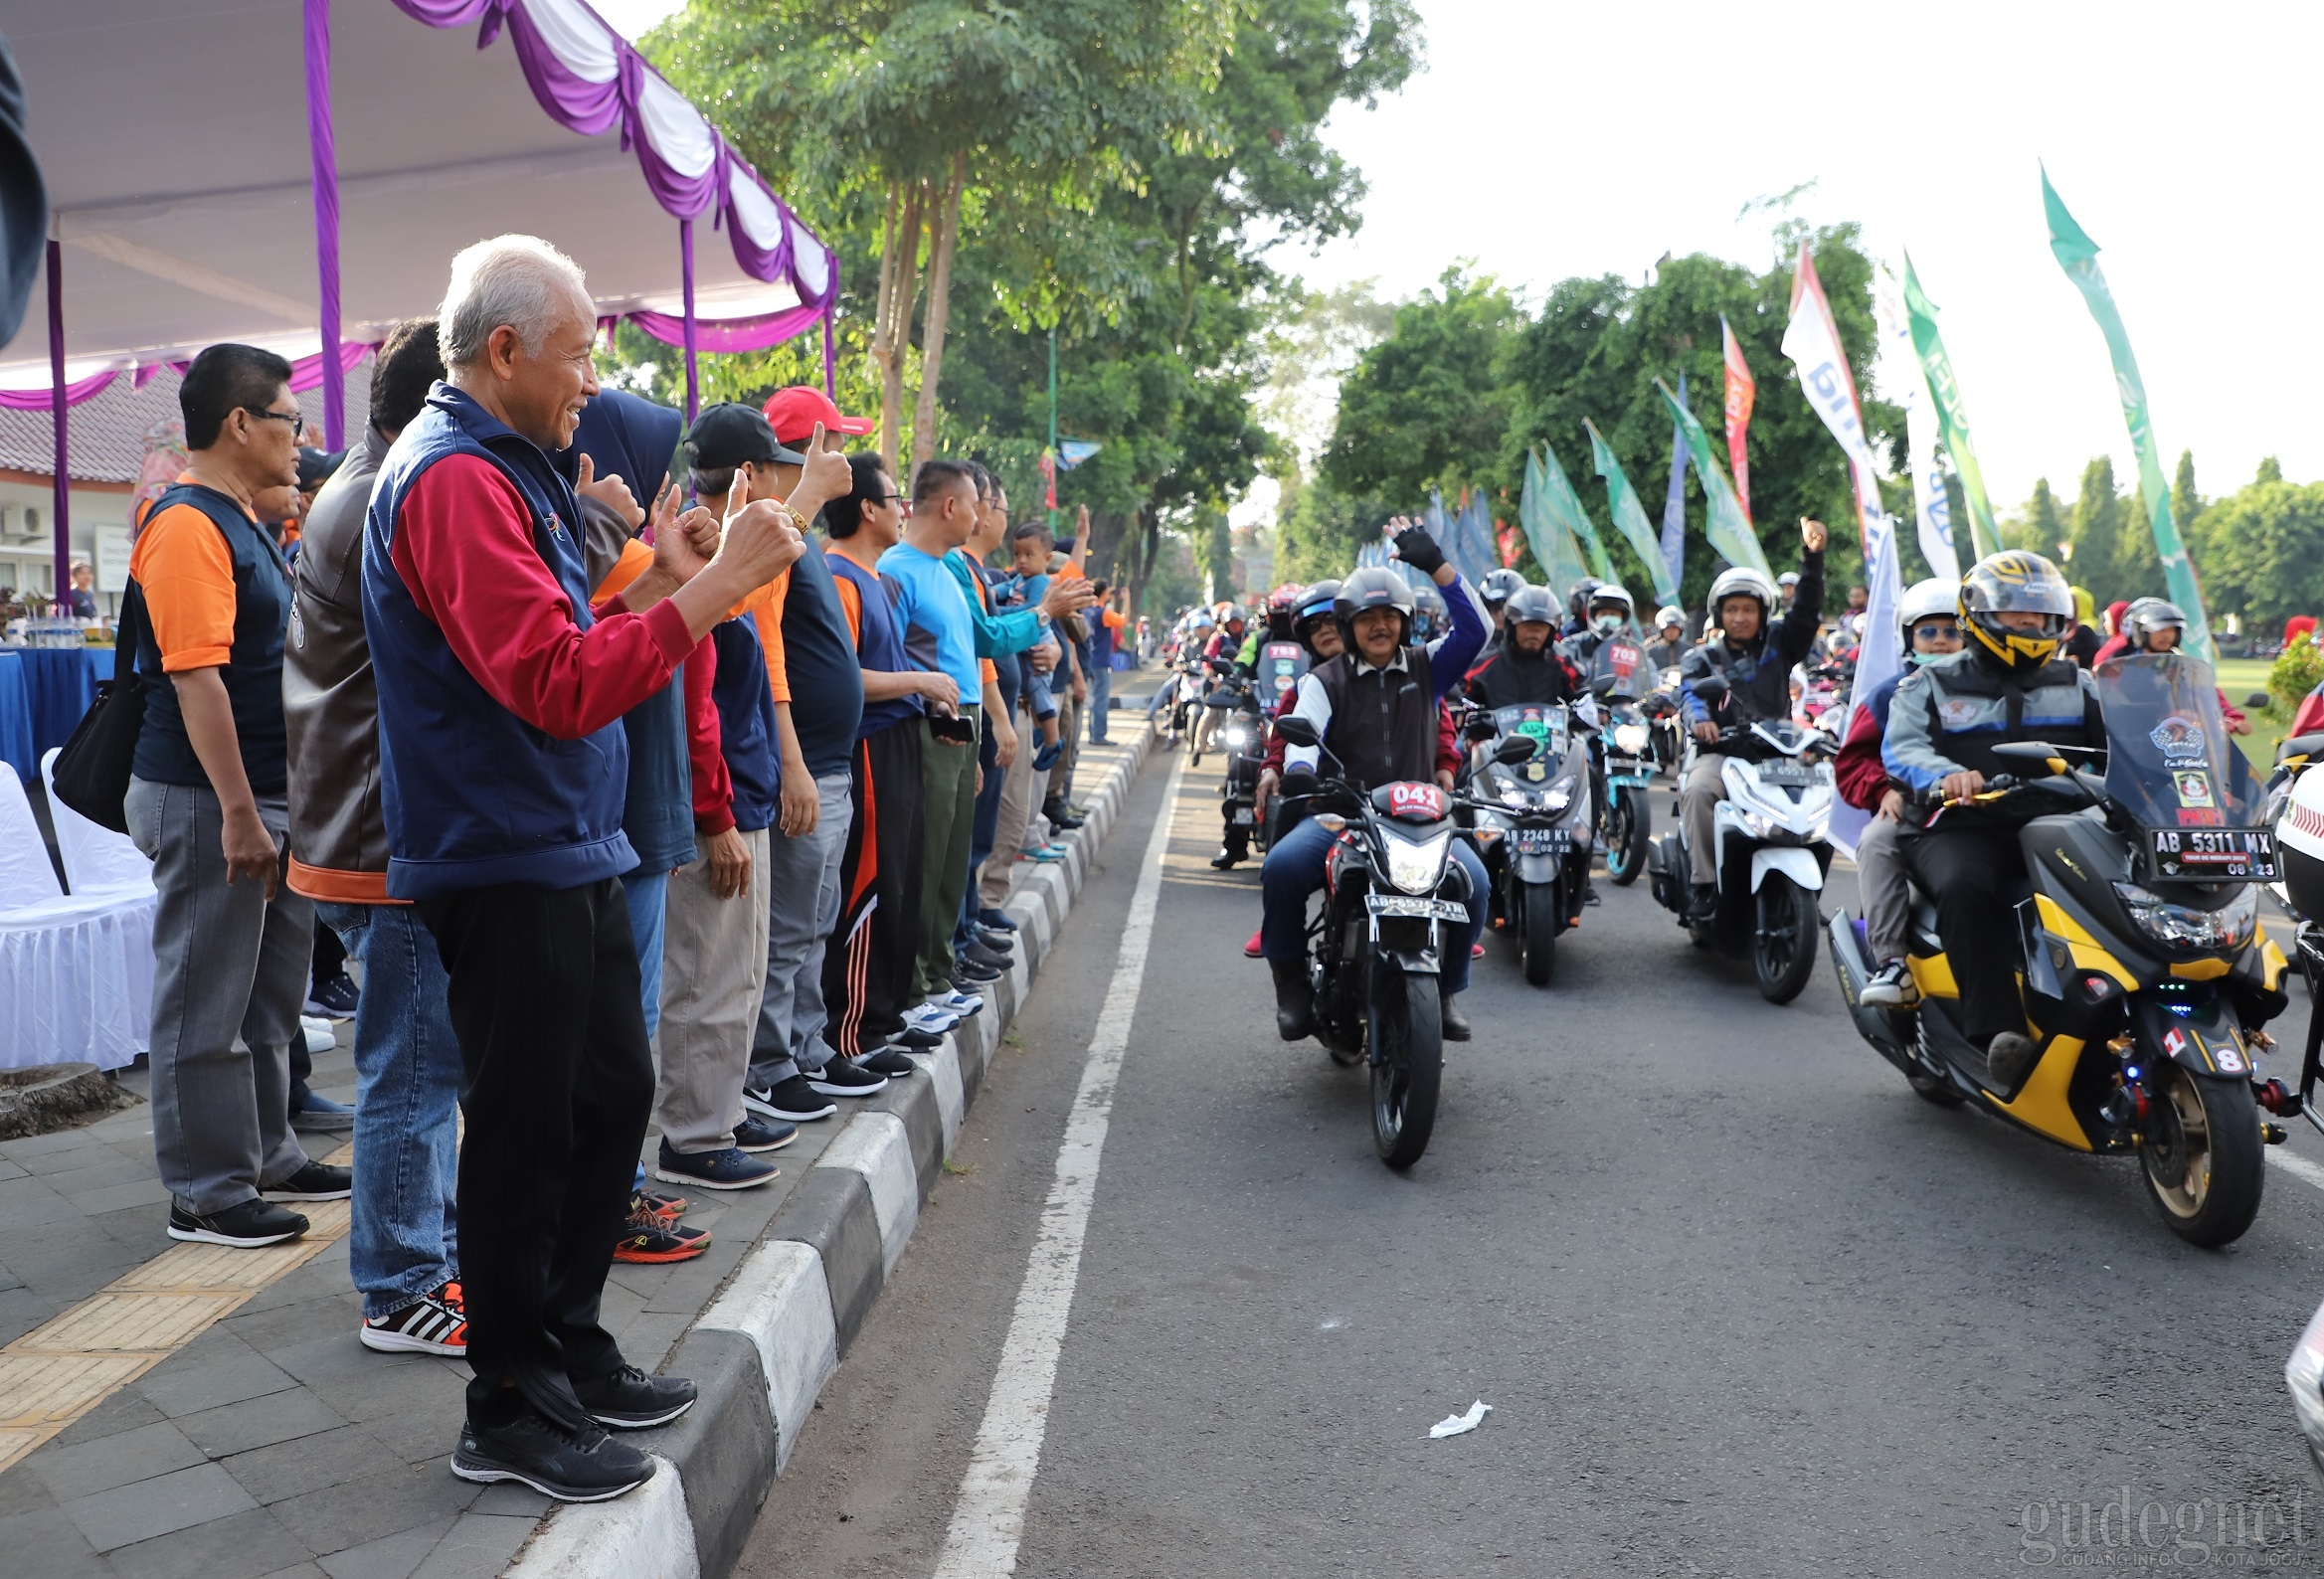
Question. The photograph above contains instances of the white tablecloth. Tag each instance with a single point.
(76, 981)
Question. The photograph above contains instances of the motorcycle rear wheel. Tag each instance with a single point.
(2202, 1158)
(1783, 944)
(1407, 1033)
(1629, 823)
(1540, 938)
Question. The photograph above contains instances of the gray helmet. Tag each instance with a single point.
(1498, 586)
(1373, 587)
(1670, 615)
(2150, 614)
(1530, 605)
(1615, 593)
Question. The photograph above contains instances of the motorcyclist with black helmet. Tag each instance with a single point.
(1528, 666)
(2010, 684)
(1755, 653)
(1669, 642)
(1375, 708)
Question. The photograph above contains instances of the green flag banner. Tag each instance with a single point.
(2078, 254)
(1630, 516)
(1724, 523)
(1552, 543)
(1952, 416)
(1564, 506)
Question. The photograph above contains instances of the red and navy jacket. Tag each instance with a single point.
(500, 690)
(1859, 774)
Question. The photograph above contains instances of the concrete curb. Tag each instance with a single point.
(774, 1335)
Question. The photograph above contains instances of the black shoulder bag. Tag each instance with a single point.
(91, 771)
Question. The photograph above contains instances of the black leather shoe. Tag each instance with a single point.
(1295, 1011)
(572, 1465)
(630, 1400)
(1454, 1022)
(1224, 861)
(1703, 902)
(980, 953)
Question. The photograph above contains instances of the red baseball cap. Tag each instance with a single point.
(793, 413)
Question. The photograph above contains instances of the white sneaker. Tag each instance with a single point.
(932, 1019)
(320, 1035)
(962, 1004)
(1891, 987)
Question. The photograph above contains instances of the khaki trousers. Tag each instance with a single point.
(713, 970)
(1017, 810)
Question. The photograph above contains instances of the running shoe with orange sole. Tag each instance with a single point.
(650, 1238)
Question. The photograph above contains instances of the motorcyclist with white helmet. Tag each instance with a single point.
(1928, 612)
(2009, 684)
(1670, 641)
(1753, 652)
(1498, 586)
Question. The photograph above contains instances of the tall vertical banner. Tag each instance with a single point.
(1932, 504)
(1742, 394)
(1551, 543)
(1675, 498)
(1630, 516)
(2078, 254)
(1723, 522)
(1565, 506)
(1477, 534)
(1952, 417)
(1811, 341)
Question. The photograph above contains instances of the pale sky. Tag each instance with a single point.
(1550, 140)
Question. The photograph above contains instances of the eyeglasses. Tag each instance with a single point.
(297, 420)
(886, 499)
(1934, 631)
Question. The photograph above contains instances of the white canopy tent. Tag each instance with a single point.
(192, 191)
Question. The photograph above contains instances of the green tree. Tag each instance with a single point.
(2186, 503)
(1426, 407)
(2261, 552)
(2113, 548)
(2041, 526)
(2270, 470)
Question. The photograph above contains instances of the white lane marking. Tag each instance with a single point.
(988, 1521)
(2298, 1167)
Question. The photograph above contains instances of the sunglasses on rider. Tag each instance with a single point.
(1937, 631)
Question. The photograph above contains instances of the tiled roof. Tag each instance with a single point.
(106, 433)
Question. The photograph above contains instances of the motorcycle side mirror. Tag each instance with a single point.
(1478, 728)
(1298, 731)
(2025, 749)
(1709, 686)
(1515, 749)
(1604, 684)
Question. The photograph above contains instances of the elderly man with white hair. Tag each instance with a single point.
(502, 770)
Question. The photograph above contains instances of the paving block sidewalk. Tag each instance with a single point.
(222, 1418)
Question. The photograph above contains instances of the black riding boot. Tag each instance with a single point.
(1295, 1011)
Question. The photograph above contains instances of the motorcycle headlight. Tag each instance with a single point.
(1512, 795)
(1559, 794)
(1629, 738)
(2183, 926)
(1237, 736)
(1415, 867)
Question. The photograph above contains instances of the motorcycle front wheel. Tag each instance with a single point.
(2202, 1156)
(1783, 944)
(1407, 1062)
(1540, 938)
(1629, 821)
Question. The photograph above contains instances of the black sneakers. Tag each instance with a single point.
(584, 1466)
(246, 1227)
(630, 1400)
(317, 1182)
(793, 1101)
(889, 1064)
(840, 1078)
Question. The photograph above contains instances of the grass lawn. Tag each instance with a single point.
(2239, 678)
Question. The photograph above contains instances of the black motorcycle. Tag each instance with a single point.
(1375, 943)
(1238, 728)
(1529, 814)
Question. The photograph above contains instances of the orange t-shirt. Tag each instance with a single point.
(182, 565)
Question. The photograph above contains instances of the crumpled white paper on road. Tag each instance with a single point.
(1460, 1425)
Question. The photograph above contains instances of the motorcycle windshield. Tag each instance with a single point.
(1545, 720)
(1622, 656)
(2169, 761)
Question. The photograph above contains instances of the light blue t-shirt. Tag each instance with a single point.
(930, 605)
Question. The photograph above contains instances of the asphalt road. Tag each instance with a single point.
(1741, 1302)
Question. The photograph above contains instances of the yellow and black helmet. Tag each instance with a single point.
(2016, 582)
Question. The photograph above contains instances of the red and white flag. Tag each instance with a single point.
(1742, 391)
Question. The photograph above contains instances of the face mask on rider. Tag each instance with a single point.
(1606, 624)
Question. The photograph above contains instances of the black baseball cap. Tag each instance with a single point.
(316, 465)
(730, 434)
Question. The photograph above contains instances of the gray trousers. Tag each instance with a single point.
(802, 900)
(1881, 885)
(713, 966)
(229, 970)
(1703, 789)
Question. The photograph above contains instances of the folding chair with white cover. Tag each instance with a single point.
(76, 972)
(96, 859)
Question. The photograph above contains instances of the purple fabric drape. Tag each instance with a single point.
(324, 158)
(730, 334)
(687, 325)
(306, 373)
(41, 399)
(59, 400)
(593, 108)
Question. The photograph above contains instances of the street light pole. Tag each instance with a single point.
(1052, 424)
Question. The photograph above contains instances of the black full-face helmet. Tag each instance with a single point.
(2016, 582)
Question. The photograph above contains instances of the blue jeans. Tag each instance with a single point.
(401, 1240)
(1294, 869)
(647, 896)
(1101, 697)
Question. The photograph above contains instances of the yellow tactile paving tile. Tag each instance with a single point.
(67, 1365)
